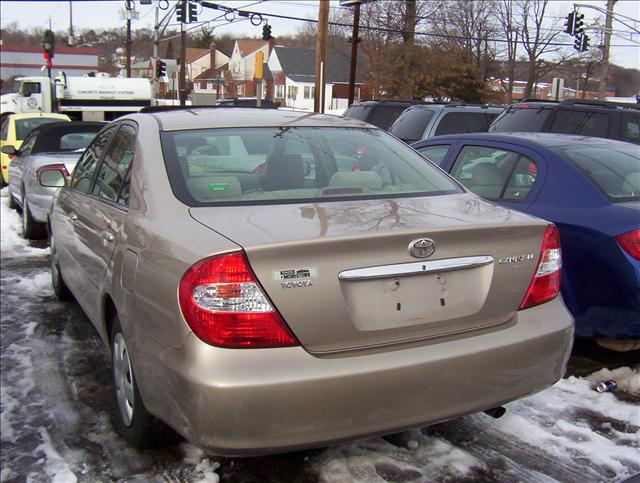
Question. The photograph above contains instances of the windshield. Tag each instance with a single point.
(23, 126)
(279, 165)
(615, 170)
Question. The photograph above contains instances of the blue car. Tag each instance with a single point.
(588, 187)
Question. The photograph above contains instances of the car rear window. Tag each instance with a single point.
(383, 116)
(614, 170)
(462, 122)
(23, 126)
(282, 165)
(521, 120)
(411, 124)
(358, 112)
(76, 140)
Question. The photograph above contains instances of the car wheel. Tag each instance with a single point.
(60, 288)
(133, 421)
(12, 202)
(31, 229)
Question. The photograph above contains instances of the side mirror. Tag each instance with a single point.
(53, 177)
(8, 149)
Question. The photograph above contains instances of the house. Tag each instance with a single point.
(200, 60)
(293, 71)
(541, 90)
(242, 65)
(211, 81)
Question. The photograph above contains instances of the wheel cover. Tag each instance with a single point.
(123, 377)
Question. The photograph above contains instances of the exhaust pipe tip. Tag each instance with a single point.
(496, 412)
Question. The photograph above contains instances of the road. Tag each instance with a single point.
(57, 410)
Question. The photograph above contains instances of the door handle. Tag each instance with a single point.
(108, 236)
(73, 216)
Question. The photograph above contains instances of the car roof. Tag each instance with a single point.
(45, 115)
(532, 139)
(233, 117)
(484, 107)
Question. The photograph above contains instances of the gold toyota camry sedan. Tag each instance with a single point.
(272, 280)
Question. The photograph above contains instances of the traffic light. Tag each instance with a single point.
(181, 11)
(266, 32)
(48, 43)
(570, 23)
(161, 68)
(578, 24)
(193, 12)
(581, 44)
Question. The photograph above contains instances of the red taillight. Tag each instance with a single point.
(224, 305)
(59, 167)
(631, 243)
(545, 284)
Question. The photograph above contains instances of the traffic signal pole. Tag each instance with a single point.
(182, 84)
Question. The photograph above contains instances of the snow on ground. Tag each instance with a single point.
(56, 415)
(11, 241)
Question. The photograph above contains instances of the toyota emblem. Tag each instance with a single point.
(422, 247)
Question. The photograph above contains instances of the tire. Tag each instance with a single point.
(60, 288)
(132, 420)
(31, 229)
(12, 202)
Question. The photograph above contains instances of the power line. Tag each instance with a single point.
(390, 30)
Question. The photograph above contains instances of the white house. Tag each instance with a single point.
(293, 71)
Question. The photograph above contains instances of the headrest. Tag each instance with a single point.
(361, 179)
(486, 174)
(283, 172)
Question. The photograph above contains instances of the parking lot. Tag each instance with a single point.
(57, 411)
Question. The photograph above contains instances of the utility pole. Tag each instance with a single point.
(156, 41)
(70, 41)
(354, 52)
(128, 43)
(182, 82)
(604, 70)
(321, 56)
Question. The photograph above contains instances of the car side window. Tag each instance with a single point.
(27, 144)
(86, 167)
(586, 123)
(631, 128)
(4, 128)
(115, 164)
(495, 173)
(435, 154)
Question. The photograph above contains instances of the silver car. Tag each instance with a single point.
(273, 280)
(57, 143)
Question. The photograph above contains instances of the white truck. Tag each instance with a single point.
(99, 98)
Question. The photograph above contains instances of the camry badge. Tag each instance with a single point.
(422, 247)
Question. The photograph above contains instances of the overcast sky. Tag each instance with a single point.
(107, 14)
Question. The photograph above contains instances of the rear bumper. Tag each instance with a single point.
(244, 402)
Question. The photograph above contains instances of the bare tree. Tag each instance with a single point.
(467, 26)
(539, 40)
(504, 10)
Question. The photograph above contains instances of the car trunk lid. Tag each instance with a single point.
(343, 277)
